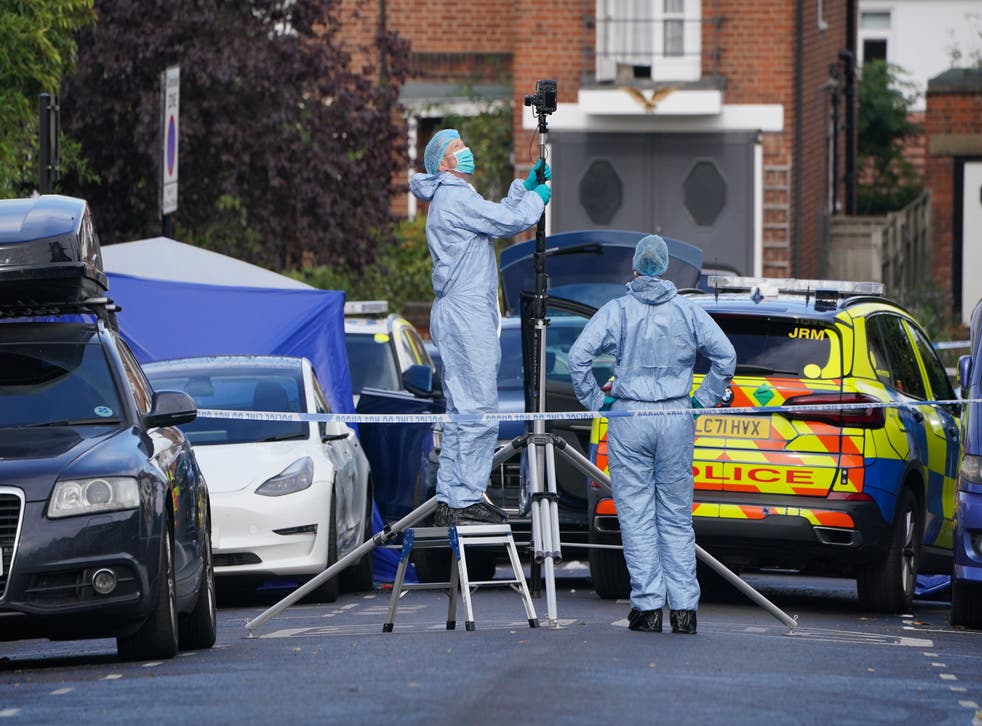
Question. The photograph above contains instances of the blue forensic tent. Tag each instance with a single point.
(165, 319)
(178, 300)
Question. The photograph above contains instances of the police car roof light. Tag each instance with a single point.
(366, 307)
(769, 286)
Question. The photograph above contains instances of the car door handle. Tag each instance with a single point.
(334, 437)
(918, 416)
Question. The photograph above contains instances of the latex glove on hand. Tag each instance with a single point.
(544, 192)
(533, 178)
(608, 399)
(695, 404)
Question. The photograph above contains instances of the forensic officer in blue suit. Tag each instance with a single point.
(464, 321)
(654, 335)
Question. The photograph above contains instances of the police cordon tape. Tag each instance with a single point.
(370, 418)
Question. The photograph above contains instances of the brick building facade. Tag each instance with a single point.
(953, 173)
(721, 123)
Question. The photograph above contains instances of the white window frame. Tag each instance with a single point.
(687, 67)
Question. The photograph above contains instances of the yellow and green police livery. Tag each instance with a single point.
(803, 474)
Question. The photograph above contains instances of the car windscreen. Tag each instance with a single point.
(255, 389)
(55, 383)
(370, 362)
(561, 333)
(768, 346)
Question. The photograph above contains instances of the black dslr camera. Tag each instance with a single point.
(544, 98)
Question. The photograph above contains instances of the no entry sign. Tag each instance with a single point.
(170, 85)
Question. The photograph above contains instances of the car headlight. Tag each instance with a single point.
(296, 477)
(971, 469)
(72, 497)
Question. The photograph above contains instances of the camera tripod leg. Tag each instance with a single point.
(587, 467)
(387, 534)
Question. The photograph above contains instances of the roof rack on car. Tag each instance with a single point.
(366, 307)
(102, 307)
(827, 293)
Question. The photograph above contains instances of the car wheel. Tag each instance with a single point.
(199, 629)
(888, 585)
(328, 591)
(432, 564)
(966, 604)
(360, 577)
(608, 571)
(157, 637)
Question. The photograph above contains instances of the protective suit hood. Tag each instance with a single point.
(424, 186)
(651, 290)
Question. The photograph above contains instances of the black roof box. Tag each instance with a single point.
(49, 252)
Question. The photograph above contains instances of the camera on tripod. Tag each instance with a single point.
(544, 98)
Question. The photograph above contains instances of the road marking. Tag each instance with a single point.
(930, 655)
(349, 606)
(61, 691)
(968, 704)
(948, 676)
(840, 636)
(152, 664)
(938, 665)
(112, 677)
(957, 689)
(8, 712)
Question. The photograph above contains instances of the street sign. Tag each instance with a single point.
(170, 89)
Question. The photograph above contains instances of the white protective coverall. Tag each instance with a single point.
(464, 321)
(654, 334)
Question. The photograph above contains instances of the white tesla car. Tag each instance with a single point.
(288, 498)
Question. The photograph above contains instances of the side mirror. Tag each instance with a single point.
(964, 372)
(170, 408)
(418, 380)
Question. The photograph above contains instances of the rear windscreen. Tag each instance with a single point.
(780, 347)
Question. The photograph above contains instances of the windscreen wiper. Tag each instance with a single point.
(95, 421)
(286, 437)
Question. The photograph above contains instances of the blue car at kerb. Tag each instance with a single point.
(966, 581)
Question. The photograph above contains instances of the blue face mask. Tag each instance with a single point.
(465, 161)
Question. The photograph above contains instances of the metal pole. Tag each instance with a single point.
(44, 157)
(380, 538)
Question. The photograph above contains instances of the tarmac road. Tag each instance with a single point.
(332, 663)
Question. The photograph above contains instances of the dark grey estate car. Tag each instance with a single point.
(104, 514)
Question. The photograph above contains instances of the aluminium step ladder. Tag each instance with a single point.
(458, 539)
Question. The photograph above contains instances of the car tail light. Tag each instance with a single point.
(850, 496)
(855, 416)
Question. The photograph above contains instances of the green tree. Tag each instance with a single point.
(287, 151)
(37, 48)
(887, 181)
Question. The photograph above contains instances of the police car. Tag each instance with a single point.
(393, 373)
(862, 490)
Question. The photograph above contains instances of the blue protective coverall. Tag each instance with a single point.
(464, 321)
(654, 334)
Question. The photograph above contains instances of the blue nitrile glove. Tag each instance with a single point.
(695, 404)
(608, 402)
(533, 178)
(543, 191)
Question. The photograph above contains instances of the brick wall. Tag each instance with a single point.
(953, 126)
(549, 44)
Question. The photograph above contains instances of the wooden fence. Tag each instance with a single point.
(894, 249)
